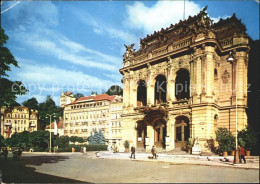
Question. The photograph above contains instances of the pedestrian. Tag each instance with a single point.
(5, 153)
(242, 153)
(132, 152)
(73, 149)
(19, 153)
(154, 152)
(239, 152)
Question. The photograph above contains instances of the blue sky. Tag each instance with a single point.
(78, 45)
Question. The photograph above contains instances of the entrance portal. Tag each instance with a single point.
(159, 133)
(141, 134)
(182, 131)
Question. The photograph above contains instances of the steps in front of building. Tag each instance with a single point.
(176, 151)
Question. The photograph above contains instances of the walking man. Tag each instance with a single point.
(242, 153)
(132, 152)
(154, 152)
(5, 153)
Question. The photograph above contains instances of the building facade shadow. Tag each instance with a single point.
(19, 171)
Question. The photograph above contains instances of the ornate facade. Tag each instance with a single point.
(180, 86)
(17, 120)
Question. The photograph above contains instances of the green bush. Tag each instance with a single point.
(62, 141)
(40, 149)
(225, 140)
(126, 144)
(67, 149)
(98, 147)
(250, 139)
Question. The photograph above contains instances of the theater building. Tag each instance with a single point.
(179, 85)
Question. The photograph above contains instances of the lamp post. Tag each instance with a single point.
(232, 60)
(53, 114)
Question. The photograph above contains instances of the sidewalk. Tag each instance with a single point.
(252, 161)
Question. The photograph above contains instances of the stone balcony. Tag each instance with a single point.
(7, 124)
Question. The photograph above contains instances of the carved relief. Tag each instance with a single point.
(225, 76)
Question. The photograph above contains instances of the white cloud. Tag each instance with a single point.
(161, 14)
(55, 44)
(43, 80)
(52, 75)
(101, 27)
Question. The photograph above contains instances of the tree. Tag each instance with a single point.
(2, 141)
(73, 139)
(250, 139)
(96, 138)
(14, 104)
(102, 139)
(9, 89)
(76, 139)
(40, 138)
(49, 107)
(115, 90)
(31, 103)
(78, 95)
(225, 140)
(62, 141)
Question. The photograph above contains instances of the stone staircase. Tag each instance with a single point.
(176, 151)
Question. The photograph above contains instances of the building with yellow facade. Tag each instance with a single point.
(179, 85)
(85, 114)
(66, 98)
(17, 120)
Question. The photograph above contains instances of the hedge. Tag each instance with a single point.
(97, 147)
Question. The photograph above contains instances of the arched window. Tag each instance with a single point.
(160, 89)
(141, 93)
(182, 84)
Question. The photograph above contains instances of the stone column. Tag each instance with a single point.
(182, 133)
(171, 85)
(130, 91)
(170, 133)
(126, 91)
(150, 135)
(203, 90)
(150, 89)
(196, 82)
(209, 73)
(240, 60)
(161, 133)
(191, 78)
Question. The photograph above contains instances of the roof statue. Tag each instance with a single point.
(129, 53)
(195, 28)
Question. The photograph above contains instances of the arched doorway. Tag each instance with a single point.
(141, 130)
(160, 133)
(182, 84)
(141, 93)
(160, 89)
(182, 131)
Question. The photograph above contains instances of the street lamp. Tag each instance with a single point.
(53, 114)
(232, 60)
